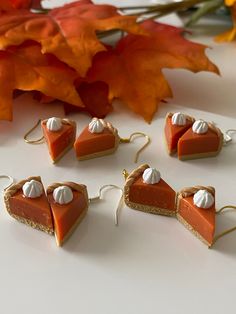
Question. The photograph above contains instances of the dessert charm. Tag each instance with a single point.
(192, 139)
(59, 135)
(69, 205)
(196, 211)
(26, 201)
(101, 138)
(146, 191)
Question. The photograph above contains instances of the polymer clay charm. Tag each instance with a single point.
(146, 191)
(192, 139)
(26, 202)
(59, 135)
(69, 205)
(196, 211)
(101, 138)
(97, 139)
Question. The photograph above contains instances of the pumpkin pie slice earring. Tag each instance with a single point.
(146, 191)
(100, 138)
(196, 211)
(69, 205)
(193, 139)
(59, 135)
(26, 202)
(59, 212)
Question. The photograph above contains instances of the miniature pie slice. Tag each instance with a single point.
(201, 140)
(99, 138)
(196, 211)
(176, 124)
(69, 205)
(146, 191)
(59, 135)
(26, 201)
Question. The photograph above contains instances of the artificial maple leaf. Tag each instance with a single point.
(26, 68)
(133, 69)
(95, 98)
(68, 32)
(229, 35)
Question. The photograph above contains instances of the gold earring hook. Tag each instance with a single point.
(120, 203)
(9, 178)
(217, 237)
(228, 138)
(129, 140)
(38, 141)
(125, 174)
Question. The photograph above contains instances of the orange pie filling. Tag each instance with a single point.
(91, 143)
(174, 132)
(66, 216)
(34, 211)
(200, 220)
(145, 190)
(61, 140)
(192, 144)
(158, 195)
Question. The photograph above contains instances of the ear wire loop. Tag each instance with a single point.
(38, 141)
(2, 176)
(220, 211)
(120, 203)
(228, 138)
(130, 139)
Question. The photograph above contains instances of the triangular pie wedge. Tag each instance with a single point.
(34, 212)
(92, 145)
(59, 142)
(67, 217)
(192, 145)
(174, 132)
(158, 198)
(200, 221)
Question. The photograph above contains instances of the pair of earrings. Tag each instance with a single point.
(194, 207)
(57, 211)
(65, 204)
(193, 139)
(97, 139)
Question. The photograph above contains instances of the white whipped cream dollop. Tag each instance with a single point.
(200, 127)
(203, 199)
(32, 189)
(178, 118)
(63, 195)
(151, 176)
(96, 126)
(54, 124)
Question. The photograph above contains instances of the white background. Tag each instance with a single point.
(149, 264)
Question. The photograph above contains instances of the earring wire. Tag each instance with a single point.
(38, 141)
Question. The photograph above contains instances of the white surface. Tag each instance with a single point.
(149, 264)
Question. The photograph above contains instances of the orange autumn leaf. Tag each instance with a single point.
(26, 68)
(229, 35)
(7, 5)
(133, 69)
(68, 32)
